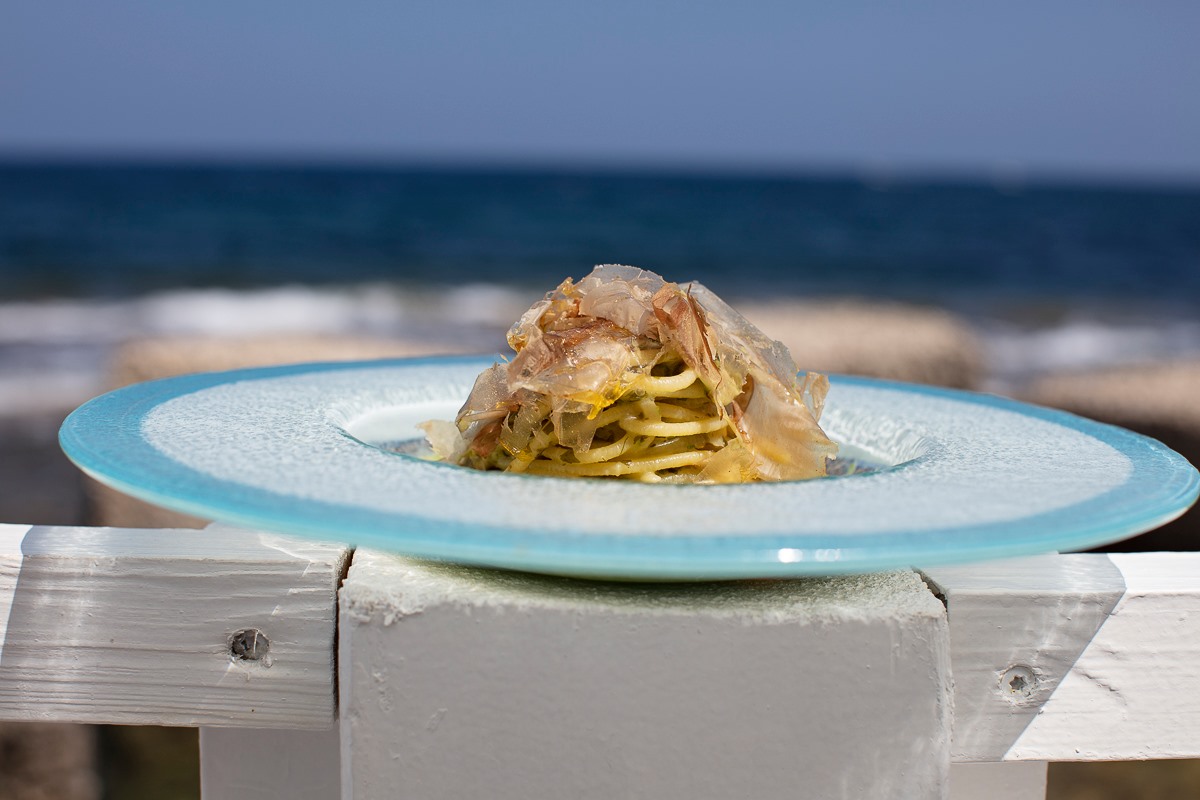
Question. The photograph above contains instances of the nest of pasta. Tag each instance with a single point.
(625, 375)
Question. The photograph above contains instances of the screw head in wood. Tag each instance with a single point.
(248, 644)
(1018, 682)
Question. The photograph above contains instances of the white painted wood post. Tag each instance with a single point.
(470, 683)
(1011, 780)
(257, 764)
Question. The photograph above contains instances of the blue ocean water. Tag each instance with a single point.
(1052, 276)
(116, 231)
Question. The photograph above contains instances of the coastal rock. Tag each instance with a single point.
(153, 358)
(879, 340)
(1158, 400)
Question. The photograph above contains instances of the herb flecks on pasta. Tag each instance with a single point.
(626, 375)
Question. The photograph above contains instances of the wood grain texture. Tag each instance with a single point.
(1133, 693)
(134, 626)
(1016, 628)
(1075, 657)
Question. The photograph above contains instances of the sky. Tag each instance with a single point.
(1098, 88)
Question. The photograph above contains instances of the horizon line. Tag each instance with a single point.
(1005, 176)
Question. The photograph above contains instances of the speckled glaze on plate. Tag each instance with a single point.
(300, 450)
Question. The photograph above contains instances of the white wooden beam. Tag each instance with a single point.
(459, 682)
(641, 689)
(167, 627)
(1075, 657)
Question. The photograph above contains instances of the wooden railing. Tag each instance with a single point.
(315, 672)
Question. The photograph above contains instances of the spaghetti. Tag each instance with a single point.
(625, 375)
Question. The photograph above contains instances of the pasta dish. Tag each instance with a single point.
(626, 375)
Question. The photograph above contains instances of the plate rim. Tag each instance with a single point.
(118, 410)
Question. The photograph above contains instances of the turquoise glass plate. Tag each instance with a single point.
(318, 450)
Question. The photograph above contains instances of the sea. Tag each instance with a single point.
(1053, 274)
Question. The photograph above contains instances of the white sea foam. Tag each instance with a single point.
(1018, 353)
(371, 308)
(53, 353)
